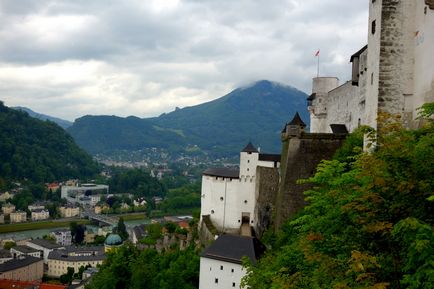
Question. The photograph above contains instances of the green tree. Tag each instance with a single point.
(121, 229)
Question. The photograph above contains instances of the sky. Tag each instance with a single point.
(144, 57)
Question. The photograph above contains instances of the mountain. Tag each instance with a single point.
(254, 113)
(61, 122)
(39, 151)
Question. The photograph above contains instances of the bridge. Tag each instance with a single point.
(104, 219)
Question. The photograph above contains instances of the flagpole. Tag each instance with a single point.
(317, 71)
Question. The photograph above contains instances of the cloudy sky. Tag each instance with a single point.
(143, 57)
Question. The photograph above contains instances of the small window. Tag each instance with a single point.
(239, 221)
(216, 280)
(212, 211)
(232, 270)
(210, 268)
(245, 201)
(373, 26)
(221, 267)
(248, 169)
(221, 198)
(233, 284)
(372, 78)
(248, 161)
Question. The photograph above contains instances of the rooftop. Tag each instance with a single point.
(72, 253)
(45, 244)
(269, 157)
(250, 148)
(25, 249)
(297, 120)
(18, 263)
(223, 172)
(232, 248)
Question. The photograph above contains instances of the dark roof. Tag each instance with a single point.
(250, 148)
(25, 249)
(297, 120)
(45, 243)
(223, 172)
(357, 54)
(71, 253)
(232, 248)
(140, 231)
(312, 96)
(18, 263)
(339, 128)
(269, 157)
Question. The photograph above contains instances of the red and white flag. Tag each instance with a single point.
(317, 53)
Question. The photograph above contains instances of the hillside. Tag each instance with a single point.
(39, 151)
(61, 122)
(255, 113)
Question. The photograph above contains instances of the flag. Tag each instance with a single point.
(416, 34)
(317, 53)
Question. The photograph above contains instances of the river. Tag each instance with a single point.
(23, 235)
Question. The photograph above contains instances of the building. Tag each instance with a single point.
(38, 215)
(18, 217)
(393, 74)
(2, 219)
(8, 209)
(69, 211)
(22, 269)
(73, 193)
(138, 233)
(13, 284)
(19, 251)
(44, 246)
(36, 206)
(5, 255)
(62, 237)
(5, 196)
(112, 242)
(221, 263)
(229, 195)
(74, 257)
(53, 187)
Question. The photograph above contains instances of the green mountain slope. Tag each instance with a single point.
(256, 113)
(40, 151)
(61, 122)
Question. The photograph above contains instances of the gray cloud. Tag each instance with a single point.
(70, 58)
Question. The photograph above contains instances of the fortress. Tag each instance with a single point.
(394, 73)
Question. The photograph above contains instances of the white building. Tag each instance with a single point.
(35, 207)
(228, 195)
(221, 263)
(44, 246)
(8, 208)
(394, 73)
(72, 193)
(18, 251)
(38, 215)
(69, 211)
(62, 237)
(18, 217)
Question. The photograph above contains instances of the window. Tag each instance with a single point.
(210, 268)
(247, 169)
(245, 201)
(232, 270)
(221, 267)
(221, 198)
(248, 161)
(233, 284)
(216, 280)
(212, 211)
(373, 26)
(372, 78)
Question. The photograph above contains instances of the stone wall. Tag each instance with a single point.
(300, 157)
(267, 186)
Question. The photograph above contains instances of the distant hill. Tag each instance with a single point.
(254, 113)
(39, 151)
(61, 122)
